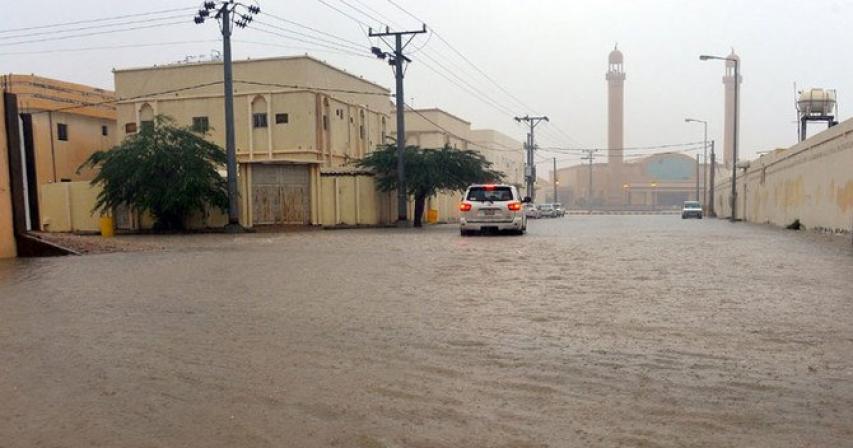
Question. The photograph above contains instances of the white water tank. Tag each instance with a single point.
(816, 102)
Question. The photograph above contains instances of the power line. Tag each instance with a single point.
(343, 13)
(104, 19)
(106, 47)
(312, 29)
(85, 28)
(370, 17)
(630, 148)
(319, 89)
(333, 47)
(160, 25)
(304, 48)
(351, 47)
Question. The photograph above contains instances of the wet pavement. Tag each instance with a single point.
(589, 331)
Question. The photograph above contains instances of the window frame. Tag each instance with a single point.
(257, 123)
(62, 132)
(197, 124)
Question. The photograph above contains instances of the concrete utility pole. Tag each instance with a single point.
(396, 60)
(556, 182)
(711, 212)
(589, 156)
(227, 13)
(697, 178)
(530, 146)
(704, 159)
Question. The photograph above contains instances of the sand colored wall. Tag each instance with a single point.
(811, 182)
(7, 235)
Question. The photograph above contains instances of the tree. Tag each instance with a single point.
(166, 170)
(429, 171)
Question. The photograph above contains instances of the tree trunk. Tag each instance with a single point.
(420, 203)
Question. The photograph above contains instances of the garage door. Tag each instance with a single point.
(280, 194)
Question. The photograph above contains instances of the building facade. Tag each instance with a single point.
(659, 181)
(61, 125)
(295, 118)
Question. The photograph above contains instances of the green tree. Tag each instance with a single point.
(429, 171)
(166, 170)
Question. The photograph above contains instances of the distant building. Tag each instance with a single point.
(62, 124)
(435, 128)
(661, 180)
(295, 118)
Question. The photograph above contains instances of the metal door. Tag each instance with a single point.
(280, 194)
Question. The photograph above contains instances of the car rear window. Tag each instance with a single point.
(490, 194)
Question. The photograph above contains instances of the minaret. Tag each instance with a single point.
(615, 107)
(728, 125)
(615, 128)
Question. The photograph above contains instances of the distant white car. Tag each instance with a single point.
(492, 207)
(531, 211)
(691, 209)
(547, 210)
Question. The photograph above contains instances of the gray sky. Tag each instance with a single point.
(550, 54)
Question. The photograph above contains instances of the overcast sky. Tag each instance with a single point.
(550, 54)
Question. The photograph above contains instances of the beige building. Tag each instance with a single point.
(297, 120)
(659, 181)
(435, 128)
(62, 124)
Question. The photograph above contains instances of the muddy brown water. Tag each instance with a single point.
(590, 331)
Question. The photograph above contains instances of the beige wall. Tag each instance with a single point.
(811, 182)
(7, 236)
(67, 207)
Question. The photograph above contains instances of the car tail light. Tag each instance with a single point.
(464, 207)
(514, 206)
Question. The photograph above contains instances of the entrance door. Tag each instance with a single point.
(280, 194)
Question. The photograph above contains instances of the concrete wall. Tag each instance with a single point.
(7, 235)
(67, 207)
(811, 182)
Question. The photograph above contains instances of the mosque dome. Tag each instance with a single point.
(616, 56)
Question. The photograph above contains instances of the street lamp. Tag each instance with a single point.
(736, 63)
(705, 160)
(627, 190)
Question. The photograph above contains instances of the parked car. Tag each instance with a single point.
(492, 207)
(691, 209)
(560, 210)
(531, 212)
(547, 210)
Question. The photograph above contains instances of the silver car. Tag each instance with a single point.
(492, 207)
(691, 209)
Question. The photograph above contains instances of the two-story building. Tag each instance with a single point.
(295, 118)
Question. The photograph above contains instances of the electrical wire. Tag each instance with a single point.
(320, 41)
(91, 27)
(104, 19)
(107, 47)
(337, 48)
(96, 33)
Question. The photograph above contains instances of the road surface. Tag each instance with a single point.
(590, 331)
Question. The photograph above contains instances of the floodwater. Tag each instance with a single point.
(589, 331)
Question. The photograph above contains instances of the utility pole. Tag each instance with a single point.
(711, 212)
(396, 60)
(697, 178)
(530, 146)
(589, 156)
(556, 182)
(228, 14)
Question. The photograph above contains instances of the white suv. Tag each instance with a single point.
(492, 207)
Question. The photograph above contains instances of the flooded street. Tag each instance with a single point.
(589, 331)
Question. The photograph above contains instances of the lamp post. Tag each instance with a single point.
(705, 161)
(229, 13)
(627, 190)
(736, 63)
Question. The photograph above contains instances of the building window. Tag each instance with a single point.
(259, 120)
(282, 118)
(201, 124)
(325, 123)
(147, 124)
(361, 132)
(130, 128)
(62, 131)
(105, 131)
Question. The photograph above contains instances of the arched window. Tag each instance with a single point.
(146, 115)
